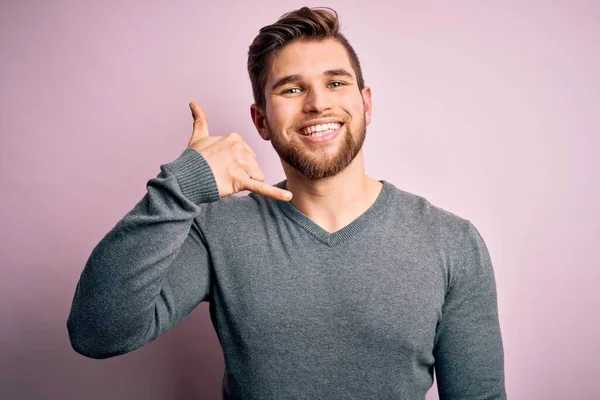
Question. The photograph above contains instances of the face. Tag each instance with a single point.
(315, 116)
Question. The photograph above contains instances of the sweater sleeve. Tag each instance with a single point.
(151, 269)
(468, 350)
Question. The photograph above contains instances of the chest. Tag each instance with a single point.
(319, 298)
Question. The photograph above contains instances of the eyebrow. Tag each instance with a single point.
(295, 78)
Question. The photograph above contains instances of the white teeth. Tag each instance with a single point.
(320, 129)
(321, 133)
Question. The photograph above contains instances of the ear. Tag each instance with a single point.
(258, 118)
(368, 105)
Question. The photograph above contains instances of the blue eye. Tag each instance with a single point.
(335, 84)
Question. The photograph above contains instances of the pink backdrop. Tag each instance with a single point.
(488, 110)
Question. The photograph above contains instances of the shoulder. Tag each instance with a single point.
(455, 239)
(419, 213)
(452, 235)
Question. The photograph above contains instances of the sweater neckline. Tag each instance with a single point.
(334, 238)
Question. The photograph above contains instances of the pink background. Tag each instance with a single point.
(488, 109)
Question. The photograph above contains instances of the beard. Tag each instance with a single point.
(322, 162)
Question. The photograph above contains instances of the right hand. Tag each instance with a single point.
(231, 160)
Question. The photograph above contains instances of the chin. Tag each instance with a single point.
(316, 162)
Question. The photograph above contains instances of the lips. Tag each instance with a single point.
(322, 139)
(320, 129)
(321, 121)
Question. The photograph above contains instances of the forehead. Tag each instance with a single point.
(309, 59)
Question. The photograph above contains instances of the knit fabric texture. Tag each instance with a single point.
(368, 312)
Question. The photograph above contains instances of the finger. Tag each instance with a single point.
(249, 168)
(239, 141)
(266, 190)
(252, 169)
(252, 153)
(200, 121)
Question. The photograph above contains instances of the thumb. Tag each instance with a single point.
(200, 121)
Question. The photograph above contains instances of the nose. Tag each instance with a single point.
(317, 101)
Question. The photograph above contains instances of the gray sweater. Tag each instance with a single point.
(367, 312)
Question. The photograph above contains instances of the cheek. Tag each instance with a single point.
(283, 115)
(352, 103)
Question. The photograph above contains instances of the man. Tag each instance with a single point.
(350, 289)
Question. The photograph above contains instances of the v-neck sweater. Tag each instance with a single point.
(367, 312)
(332, 239)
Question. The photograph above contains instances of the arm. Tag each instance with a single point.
(151, 269)
(468, 351)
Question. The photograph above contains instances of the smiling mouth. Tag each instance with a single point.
(317, 131)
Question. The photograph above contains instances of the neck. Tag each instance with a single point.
(335, 201)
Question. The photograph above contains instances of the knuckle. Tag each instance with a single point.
(258, 174)
(234, 136)
(241, 163)
(237, 186)
(239, 149)
(258, 186)
(250, 152)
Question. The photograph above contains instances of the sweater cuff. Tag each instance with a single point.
(195, 177)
